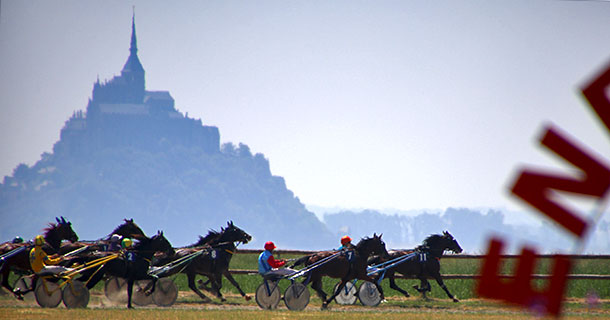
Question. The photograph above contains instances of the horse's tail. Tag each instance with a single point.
(300, 261)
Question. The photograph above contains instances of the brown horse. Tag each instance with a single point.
(53, 234)
(424, 263)
(351, 264)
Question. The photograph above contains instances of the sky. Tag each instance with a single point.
(400, 105)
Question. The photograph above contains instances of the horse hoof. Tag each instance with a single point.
(324, 306)
(247, 297)
(383, 301)
(456, 300)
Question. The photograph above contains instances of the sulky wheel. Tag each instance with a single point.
(347, 294)
(268, 295)
(47, 293)
(138, 295)
(296, 296)
(368, 294)
(75, 295)
(165, 293)
(115, 289)
(24, 284)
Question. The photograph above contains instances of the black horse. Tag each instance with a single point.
(127, 229)
(424, 263)
(218, 249)
(132, 264)
(54, 234)
(347, 266)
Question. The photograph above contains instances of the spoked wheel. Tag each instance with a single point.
(347, 294)
(138, 295)
(115, 289)
(165, 293)
(268, 298)
(75, 295)
(47, 293)
(296, 296)
(368, 294)
(24, 284)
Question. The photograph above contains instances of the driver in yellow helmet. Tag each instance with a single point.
(126, 243)
(41, 262)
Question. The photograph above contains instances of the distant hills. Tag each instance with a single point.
(471, 227)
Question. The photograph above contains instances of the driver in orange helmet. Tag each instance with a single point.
(346, 243)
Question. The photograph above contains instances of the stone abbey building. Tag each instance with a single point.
(122, 113)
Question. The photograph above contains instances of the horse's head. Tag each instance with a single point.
(63, 230)
(450, 243)
(370, 246)
(233, 233)
(128, 229)
(158, 243)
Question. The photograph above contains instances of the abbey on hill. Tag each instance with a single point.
(122, 112)
(133, 155)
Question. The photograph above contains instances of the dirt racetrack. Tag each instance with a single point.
(189, 306)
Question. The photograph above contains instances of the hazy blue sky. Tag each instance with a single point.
(374, 104)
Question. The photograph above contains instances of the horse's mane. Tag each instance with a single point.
(432, 239)
(363, 241)
(212, 235)
(52, 226)
(127, 222)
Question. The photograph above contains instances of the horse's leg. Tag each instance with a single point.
(130, 282)
(335, 293)
(394, 286)
(150, 288)
(228, 275)
(424, 286)
(316, 284)
(440, 282)
(5, 274)
(217, 285)
(191, 281)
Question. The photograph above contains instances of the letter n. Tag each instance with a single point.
(536, 188)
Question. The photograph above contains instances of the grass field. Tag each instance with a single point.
(189, 306)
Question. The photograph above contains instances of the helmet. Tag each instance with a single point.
(17, 239)
(39, 240)
(115, 238)
(345, 240)
(269, 245)
(126, 243)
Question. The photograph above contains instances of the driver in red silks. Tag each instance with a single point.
(268, 267)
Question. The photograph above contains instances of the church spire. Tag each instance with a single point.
(133, 66)
(133, 49)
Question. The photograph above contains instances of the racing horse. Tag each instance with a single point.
(425, 263)
(54, 234)
(132, 264)
(218, 249)
(127, 229)
(347, 266)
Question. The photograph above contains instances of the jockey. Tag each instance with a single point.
(268, 267)
(115, 243)
(346, 243)
(41, 262)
